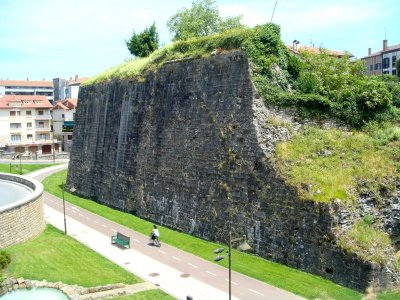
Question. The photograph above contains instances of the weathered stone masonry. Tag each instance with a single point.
(24, 221)
(188, 147)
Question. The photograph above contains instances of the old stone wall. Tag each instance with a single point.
(189, 148)
(23, 220)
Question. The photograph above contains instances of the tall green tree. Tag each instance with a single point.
(144, 43)
(201, 19)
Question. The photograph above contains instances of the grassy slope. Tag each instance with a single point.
(26, 168)
(301, 283)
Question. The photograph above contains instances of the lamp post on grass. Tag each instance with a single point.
(242, 247)
(63, 198)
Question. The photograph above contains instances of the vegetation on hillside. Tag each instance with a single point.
(201, 19)
(144, 43)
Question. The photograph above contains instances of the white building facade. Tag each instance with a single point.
(27, 88)
(25, 125)
(63, 114)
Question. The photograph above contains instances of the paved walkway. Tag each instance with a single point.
(178, 273)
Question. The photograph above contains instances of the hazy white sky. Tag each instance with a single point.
(54, 38)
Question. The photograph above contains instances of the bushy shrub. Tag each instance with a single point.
(5, 259)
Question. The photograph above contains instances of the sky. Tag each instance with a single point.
(53, 38)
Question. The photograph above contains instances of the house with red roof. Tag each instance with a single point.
(63, 114)
(26, 125)
(27, 88)
(382, 61)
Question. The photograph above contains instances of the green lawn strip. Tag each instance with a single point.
(298, 282)
(52, 256)
(25, 168)
(389, 296)
(147, 295)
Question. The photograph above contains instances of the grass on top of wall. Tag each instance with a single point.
(52, 256)
(295, 281)
(14, 168)
(332, 164)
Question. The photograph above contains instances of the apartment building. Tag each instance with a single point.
(67, 89)
(27, 88)
(25, 125)
(63, 114)
(383, 61)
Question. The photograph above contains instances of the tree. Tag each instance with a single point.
(144, 43)
(201, 19)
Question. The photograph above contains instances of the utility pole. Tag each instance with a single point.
(273, 12)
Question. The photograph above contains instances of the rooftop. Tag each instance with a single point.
(23, 101)
(27, 83)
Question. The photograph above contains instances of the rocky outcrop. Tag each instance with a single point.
(189, 147)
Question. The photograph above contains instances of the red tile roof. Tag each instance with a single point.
(27, 83)
(66, 104)
(23, 101)
(317, 50)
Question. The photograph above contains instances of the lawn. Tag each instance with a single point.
(52, 256)
(14, 168)
(300, 283)
(147, 295)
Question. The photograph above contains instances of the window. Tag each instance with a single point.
(394, 72)
(40, 125)
(62, 116)
(29, 125)
(16, 138)
(29, 113)
(394, 61)
(29, 137)
(42, 137)
(40, 112)
(386, 62)
(371, 67)
(70, 137)
(15, 125)
(15, 113)
(376, 67)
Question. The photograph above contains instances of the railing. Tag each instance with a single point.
(42, 117)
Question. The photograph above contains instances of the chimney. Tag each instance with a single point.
(384, 45)
(76, 77)
(27, 79)
(369, 51)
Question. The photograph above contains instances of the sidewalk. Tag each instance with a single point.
(178, 273)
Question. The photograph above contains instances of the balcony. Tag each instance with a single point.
(42, 129)
(42, 117)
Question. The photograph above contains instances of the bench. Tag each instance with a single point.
(121, 239)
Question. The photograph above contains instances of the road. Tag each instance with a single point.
(178, 273)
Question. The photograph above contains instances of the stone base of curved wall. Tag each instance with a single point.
(25, 220)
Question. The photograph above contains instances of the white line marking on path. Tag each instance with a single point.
(104, 225)
(161, 251)
(255, 292)
(80, 215)
(87, 218)
(176, 258)
(211, 273)
(96, 222)
(192, 265)
(226, 279)
(137, 241)
(113, 229)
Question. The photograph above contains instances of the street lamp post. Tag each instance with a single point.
(242, 247)
(63, 198)
(65, 219)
